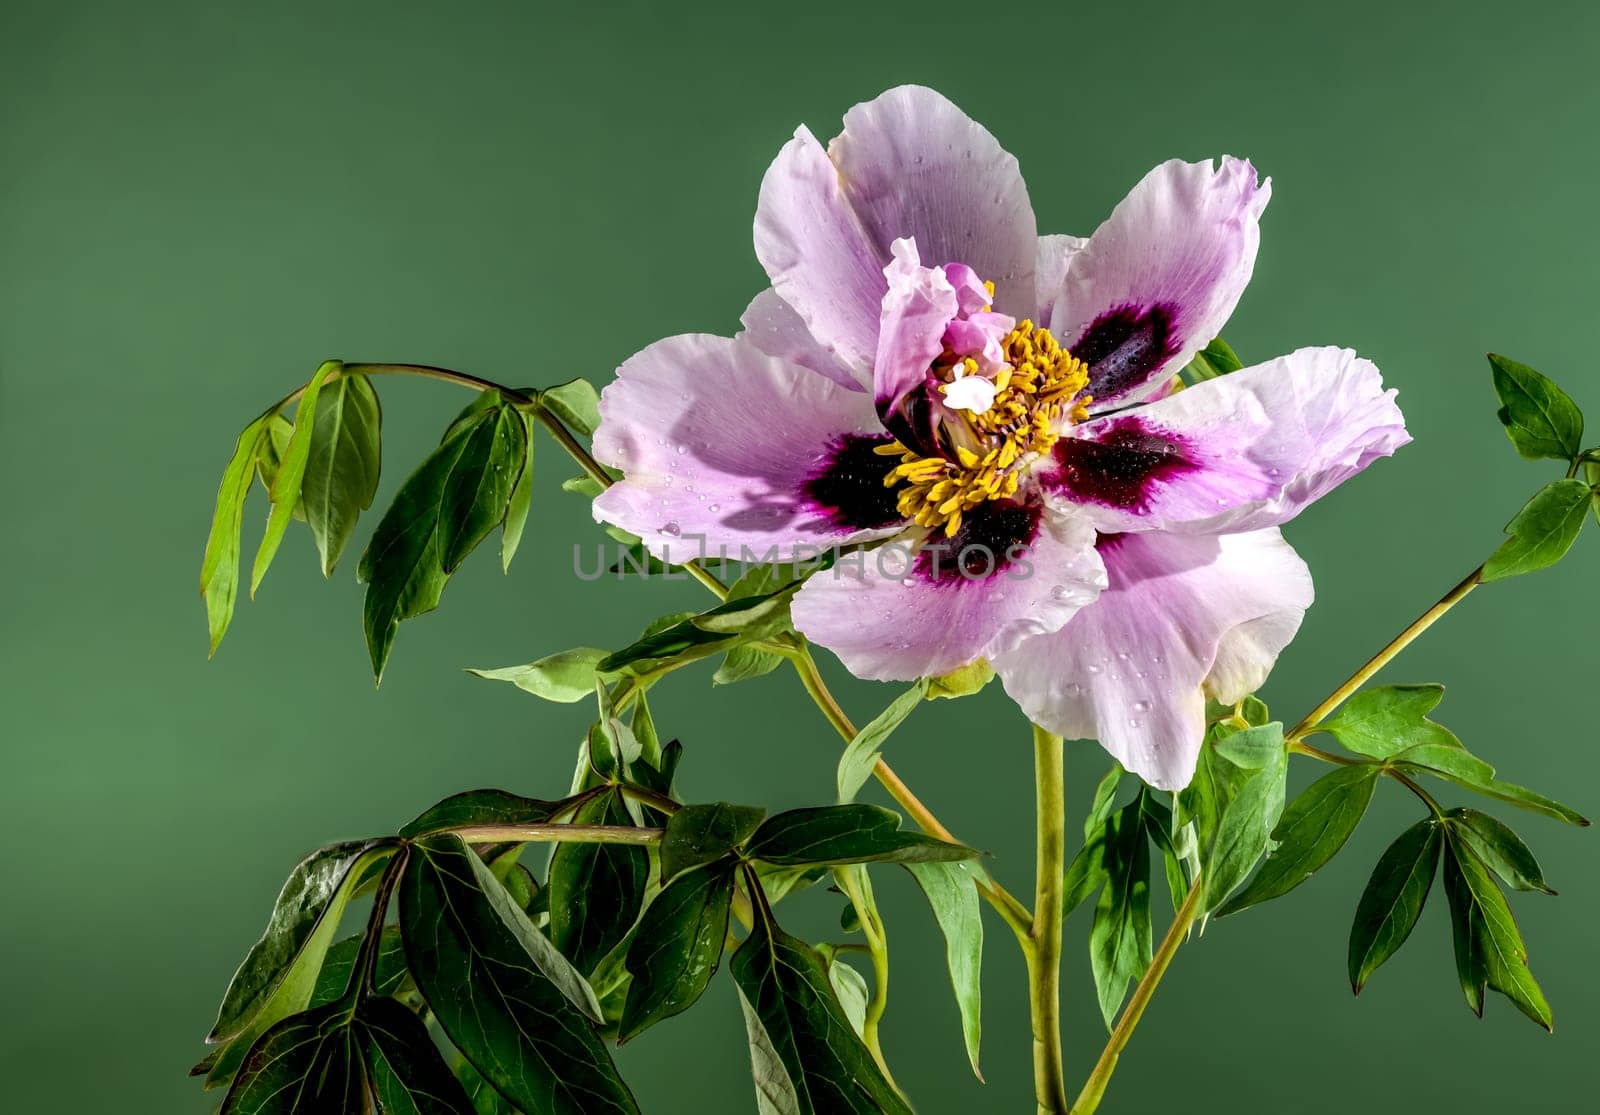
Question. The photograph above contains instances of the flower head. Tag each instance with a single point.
(927, 369)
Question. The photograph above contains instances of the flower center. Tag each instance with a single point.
(1038, 386)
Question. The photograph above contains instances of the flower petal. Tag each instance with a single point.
(819, 258)
(1050, 271)
(1182, 615)
(916, 313)
(890, 615)
(772, 325)
(1240, 452)
(1159, 279)
(915, 165)
(717, 440)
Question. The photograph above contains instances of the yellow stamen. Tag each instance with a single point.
(1038, 392)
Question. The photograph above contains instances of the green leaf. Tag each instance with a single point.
(1498, 848)
(520, 501)
(952, 891)
(513, 1005)
(291, 470)
(1540, 418)
(334, 979)
(850, 988)
(1592, 471)
(299, 931)
(483, 807)
(1235, 809)
(477, 490)
(1542, 532)
(342, 464)
(1478, 776)
(1313, 829)
(590, 488)
(576, 403)
(677, 947)
(1254, 748)
(1489, 949)
(745, 662)
(1392, 903)
(566, 676)
(1158, 824)
(840, 834)
(1087, 871)
(1389, 719)
(1119, 939)
(805, 1055)
(306, 1063)
(963, 681)
(858, 759)
(698, 834)
(404, 564)
(596, 889)
(219, 572)
(1216, 359)
(407, 1073)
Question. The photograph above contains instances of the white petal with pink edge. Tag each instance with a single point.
(1241, 452)
(722, 443)
(1181, 614)
(887, 620)
(1159, 279)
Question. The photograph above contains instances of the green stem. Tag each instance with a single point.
(853, 881)
(1094, 1088)
(562, 833)
(1378, 661)
(364, 972)
(1044, 936)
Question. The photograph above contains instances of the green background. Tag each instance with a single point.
(200, 201)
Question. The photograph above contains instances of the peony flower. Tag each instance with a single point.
(1002, 408)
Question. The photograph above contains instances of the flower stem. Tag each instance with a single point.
(1384, 657)
(1044, 957)
(852, 879)
(564, 833)
(1094, 1088)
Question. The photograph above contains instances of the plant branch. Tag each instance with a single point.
(563, 833)
(1094, 1088)
(1378, 661)
(1044, 957)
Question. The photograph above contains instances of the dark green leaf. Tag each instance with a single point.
(677, 947)
(952, 891)
(403, 565)
(477, 490)
(858, 759)
(1119, 939)
(1489, 948)
(1497, 847)
(299, 932)
(341, 474)
(520, 501)
(1540, 418)
(501, 992)
(1542, 532)
(805, 1055)
(839, 834)
(334, 979)
(697, 636)
(219, 572)
(407, 1073)
(483, 807)
(1313, 829)
(307, 1063)
(596, 889)
(565, 676)
(1389, 719)
(1158, 824)
(576, 403)
(291, 470)
(1392, 903)
(698, 834)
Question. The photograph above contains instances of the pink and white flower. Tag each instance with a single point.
(926, 368)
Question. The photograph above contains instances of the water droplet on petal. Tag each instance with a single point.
(672, 529)
(680, 450)
(1093, 669)
(1141, 706)
(714, 507)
